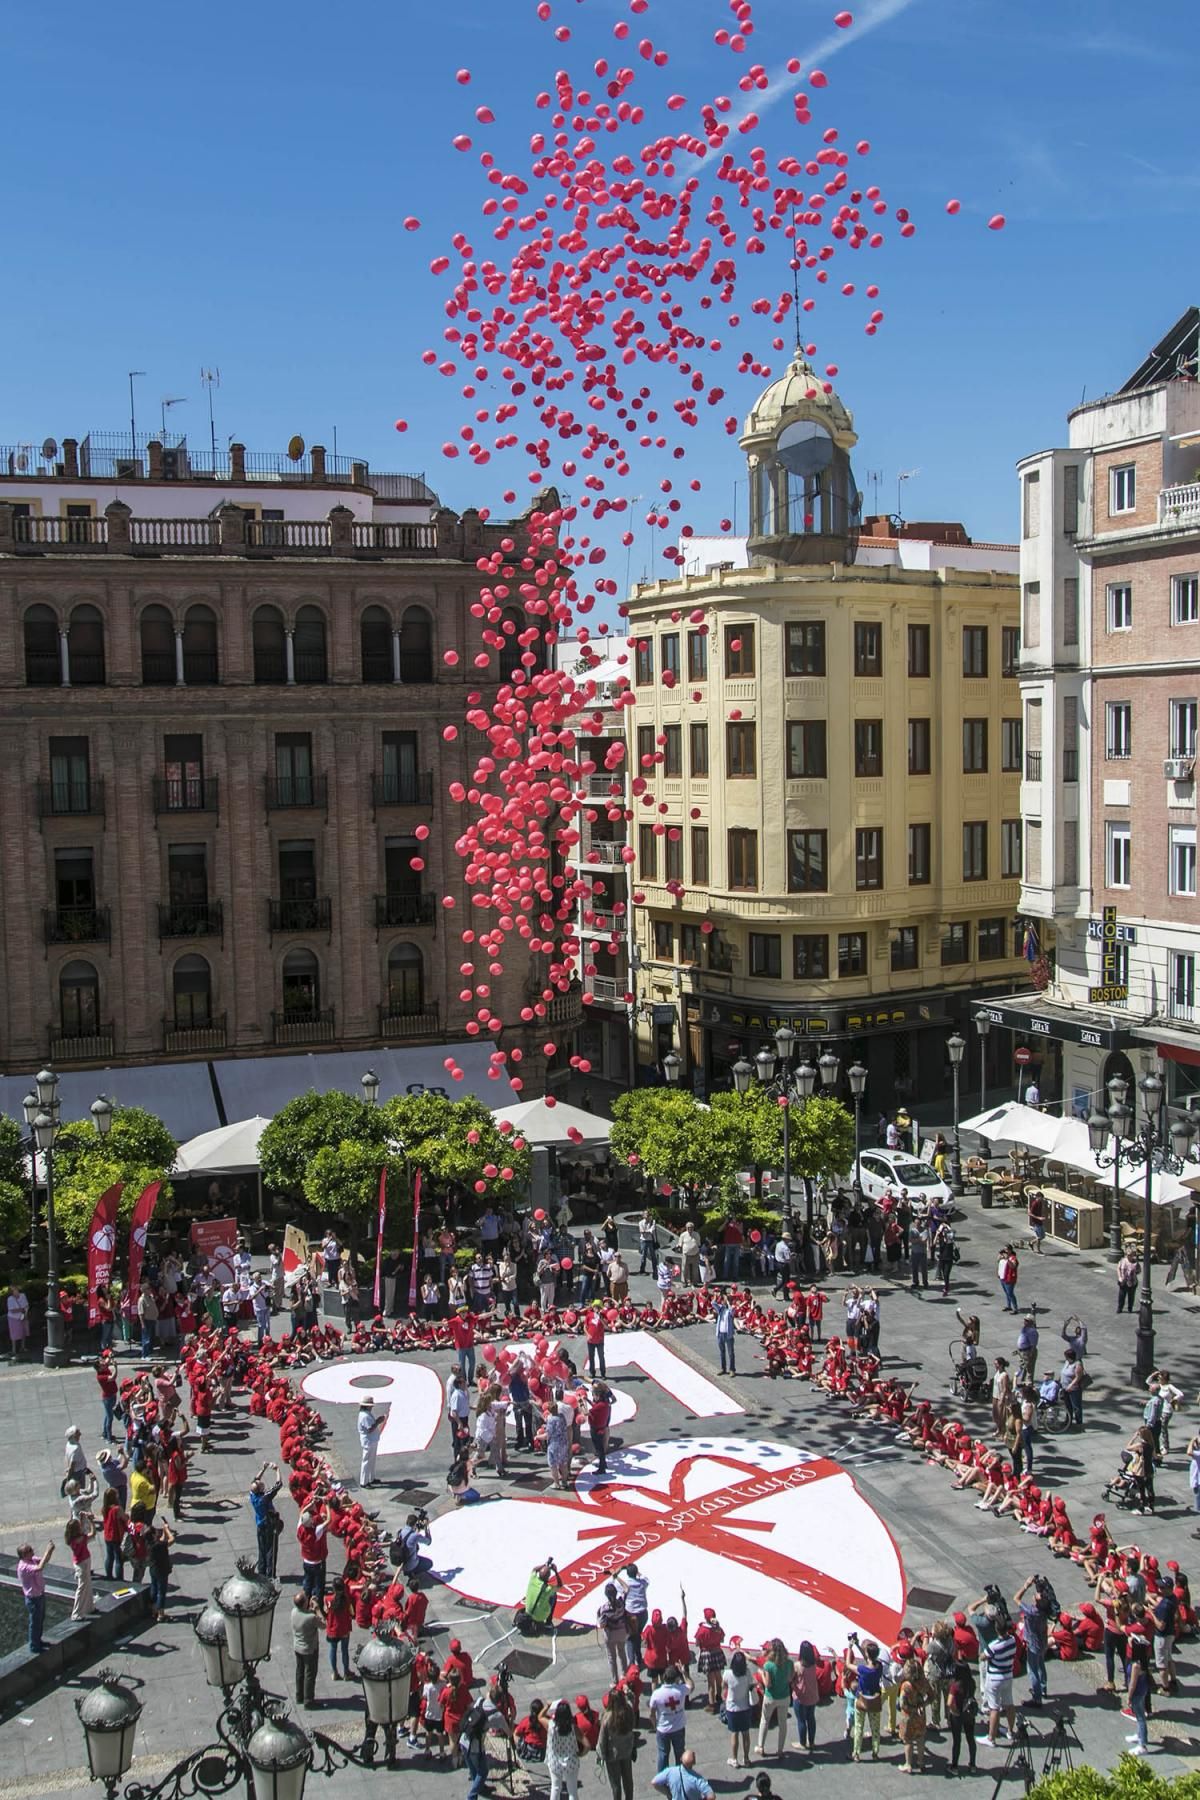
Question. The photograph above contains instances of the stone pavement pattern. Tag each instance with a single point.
(949, 1549)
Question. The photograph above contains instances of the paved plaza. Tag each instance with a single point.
(948, 1549)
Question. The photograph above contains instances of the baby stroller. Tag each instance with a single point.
(971, 1380)
(1127, 1490)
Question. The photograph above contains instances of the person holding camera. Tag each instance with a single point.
(1036, 1613)
(267, 1522)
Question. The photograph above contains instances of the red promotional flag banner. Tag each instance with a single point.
(139, 1225)
(379, 1235)
(416, 1254)
(102, 1245)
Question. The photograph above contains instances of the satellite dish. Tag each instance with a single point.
(50, 449)
(804, 448)
(295, 448)
(21, 462)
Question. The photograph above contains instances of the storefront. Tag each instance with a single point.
(1073, 1051)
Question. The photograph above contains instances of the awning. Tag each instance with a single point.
(1013, 1123)
(1037, 1017)
(230, 1150)
(180, 1093)
(265, 1084)
(542, 1125)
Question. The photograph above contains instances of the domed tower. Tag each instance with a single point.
(804, 504)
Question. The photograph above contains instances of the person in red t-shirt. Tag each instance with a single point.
(732, 1239)
(462, 1336)
(593, 1331)
(312, 1537)
(966, 1643)
(339, 1618)
(455, 1698)
(587, 1722)
(416, 1605)
(599, 1419)
(459, 1659)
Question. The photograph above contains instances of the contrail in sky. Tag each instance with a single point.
(869, 20)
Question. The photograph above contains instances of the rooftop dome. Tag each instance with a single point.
(799, 393)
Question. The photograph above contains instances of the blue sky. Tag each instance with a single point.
(226, 185)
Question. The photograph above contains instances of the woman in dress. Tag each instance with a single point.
(710, 1656)
(18, 1321)
(562, 1753)
(914, 1716)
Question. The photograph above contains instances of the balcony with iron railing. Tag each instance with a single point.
(230, 533)
(407, 1024)
(286, 793)
(77, 925)
(1181, 1005)
(76, 797)
(315, 1027)
(404, 909)
(1033, 765)
(180, 1039)
(300, 915)
(414, 788)
(70, 1044)
(190, 918)
(185, 793)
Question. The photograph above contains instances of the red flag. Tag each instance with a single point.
(139, 1225)
(416, 1255)
(379, 1235)
(102, 1245)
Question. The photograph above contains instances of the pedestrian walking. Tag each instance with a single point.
(647, 1244)
(775, 1682)
(613, 1625)
(1027, 1349)
(1137, 1694)
(1001, 1394)
(682, 1782)
(1007, 1270)
(635, 1588)
(599, 1420)
(306, 1645)
(616, 1743)
(593, 1332)
(339, 1619)
(725, 1329)
(1127, 1280)
(369, 1427)
(462, 1336)
(563, 1744)
(1071, 1378)
(945, 1251)
(918, 1253)
(668, 1705)
(31, 1573)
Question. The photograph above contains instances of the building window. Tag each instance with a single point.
(852, 953)
(1011, 743)
(673, 854)
(920, 839)
(1010, 651)
(810, 958)
(191, 993)
(989, 940)
(1118, 854)
(405, 981)
(269, 641)
(905, 948)
(1183, 860)
(698, 751)
(70, 775)
(1031, 509)
(918, 651)
(805, 641)
(1120, 606)
(375, 645)
(646, 753)
(975, 652)
(1183, 985)
(868, 858)
(868, 649)
(868, 746)
(699, 855)
(673, 751)
(43, 655)
(806, 750)
(301, 982)
(1122, 489)
(647, 853)
(689, 945)
(668, 647)
(956, 944)
(1071, 852)
(975, 746)
(1031, 614)
(1070, 739)
(664, 940)
(1183, 728)
(1185, 599)
(741, 760)
(974, 839)
(765, 957)
(1070, 499)
(157, 635)
(85, 647)
(1010, 849)
(918, 747)
(643, 661)
(697, 654)
(294, 769)
(742, 852)
(1118, 730)
(79, 1000)
(739, 651)
(808, 862)
(308, 647)
(1071, 612)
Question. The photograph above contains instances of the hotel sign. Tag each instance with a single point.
(1113, 989)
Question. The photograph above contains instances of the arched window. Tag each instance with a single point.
(416, 645)
(375, 636)
(301, 985)
(79, 999)
(85, 646)
(158, 647)
(405, 980)
(309, 645)
(192, 990)
(43, 660)
(270, 647)
(201, 666)
(512, 623)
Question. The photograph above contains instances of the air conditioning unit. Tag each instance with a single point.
(1178, 768)
(174, 465)
(129, 468)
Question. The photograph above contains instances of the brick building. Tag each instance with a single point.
(1110, 683)
(224, 694)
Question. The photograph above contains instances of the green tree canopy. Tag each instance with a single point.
(137, 1150)
(759, 1118)
(1130, 1780)
(822, 1140)
(436, 1134)
(14, 1184)
(313, 1122)
(693, 1148)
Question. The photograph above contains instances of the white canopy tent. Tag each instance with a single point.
(229, 1150)
(1013, 1123)
(545, 1126)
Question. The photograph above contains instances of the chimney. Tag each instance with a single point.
(70, 452)
(318, 462)
(237, 462)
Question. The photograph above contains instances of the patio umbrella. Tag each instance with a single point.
(546, 1127)
(229, 1150)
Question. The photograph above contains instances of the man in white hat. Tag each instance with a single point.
(369, 1427)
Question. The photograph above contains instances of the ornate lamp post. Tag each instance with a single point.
(794, 1086)
(1149, 1146)
(955, 1049)
(982, 1025)
(671, 1067)
(257, 1742)
(369, 1083)
(45, 1125)
(1117, 1120)
(856, 1075)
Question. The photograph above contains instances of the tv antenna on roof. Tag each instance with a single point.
(902, 477)
(211, 379)
(165, 404)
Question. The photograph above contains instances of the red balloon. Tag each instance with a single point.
(843, 20)
(953, 206)
(566, 1263)
(997, 222)
(540, 1213)
(411, 224)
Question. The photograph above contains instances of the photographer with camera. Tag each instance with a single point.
(405, 1552)
(1037, 1614)
(997, 1656)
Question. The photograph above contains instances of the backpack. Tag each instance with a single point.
(473, 1726)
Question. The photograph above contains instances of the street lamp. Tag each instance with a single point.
(778, 1078)
(982, 1025)
(743, 1075)
(369, 1083)
(671, 1065)
(31, 1110)
(42, 1109)
(101, 1110)
(1117, 1120)
(955, 1049)
(856, 1075)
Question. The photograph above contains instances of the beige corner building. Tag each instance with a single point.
(828, 728)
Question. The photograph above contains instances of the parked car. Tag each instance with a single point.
(879, 1170)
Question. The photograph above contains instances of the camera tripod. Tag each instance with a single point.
(1059, 1743)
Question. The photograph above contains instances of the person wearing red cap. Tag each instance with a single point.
(710, 1656)
(459, 1659)
(587, 1723)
